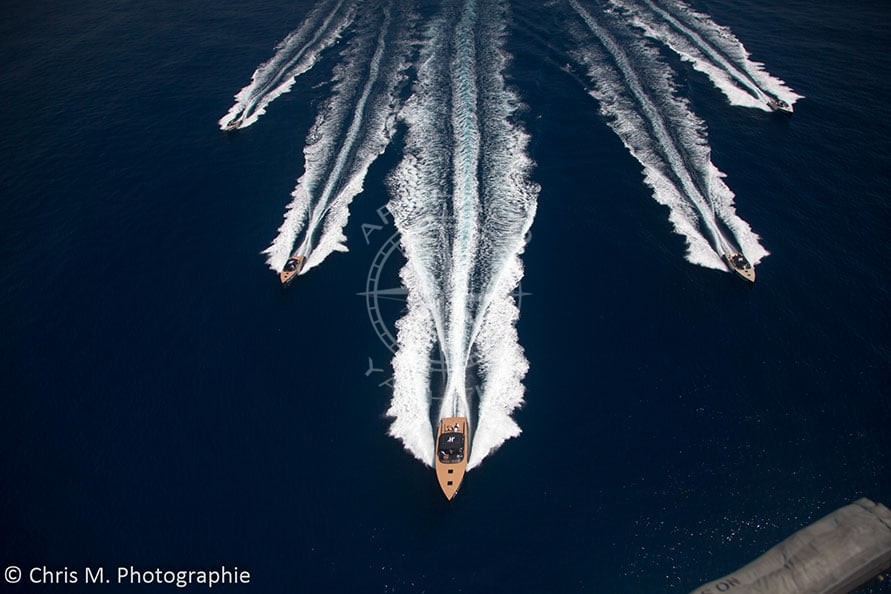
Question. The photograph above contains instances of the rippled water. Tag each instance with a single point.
(167, 404)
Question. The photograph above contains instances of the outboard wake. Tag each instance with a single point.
(462, 197)
(295, 55)
(637, 95)
(351, 130)
(710, 48)
(463, 203)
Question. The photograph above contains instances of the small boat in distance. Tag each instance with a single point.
(232, 125)
(291, 269)
(740, 265)
(779, 105)
(452, 448)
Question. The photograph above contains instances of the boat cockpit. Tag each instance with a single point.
(739, 262)
(451, 447)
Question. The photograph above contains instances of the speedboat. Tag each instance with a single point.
(740, 265)
(779, 105)
(233, 124)
(291, 268)
(452, 449)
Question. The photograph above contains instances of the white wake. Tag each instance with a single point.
(295, 55)
(351, 130)
(710, 48)
(637, 95)
(463, 202)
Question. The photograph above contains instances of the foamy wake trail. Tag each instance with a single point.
(417, 332)
(463, 202)
(351, 130)
(420, 188)
(295, 55)
(637, 95)
(502, 366)
(509, 201)
(710, 48)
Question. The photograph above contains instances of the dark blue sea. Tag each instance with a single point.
(167, 404)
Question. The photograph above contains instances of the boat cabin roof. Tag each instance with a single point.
(739, 261)
(451, 447)
(451, 441)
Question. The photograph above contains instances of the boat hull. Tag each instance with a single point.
(779, 106)
(292, 268)
(452, 451)
(740, 266)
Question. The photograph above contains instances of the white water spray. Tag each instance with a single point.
(352, 129)
(668, 140)
(711, 49)
(463, 204)
(295, 55)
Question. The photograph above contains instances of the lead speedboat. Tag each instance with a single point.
(452, 449)
(291, 268)
(779, 105)
(740, 265)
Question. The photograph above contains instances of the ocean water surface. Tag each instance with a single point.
(167, 404)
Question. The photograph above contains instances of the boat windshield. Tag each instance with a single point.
(451, 447)
(290, 265)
